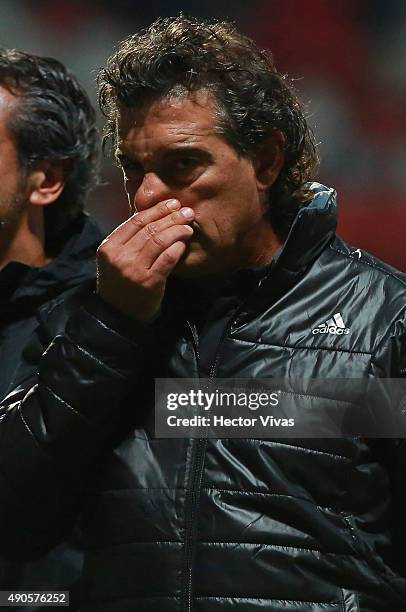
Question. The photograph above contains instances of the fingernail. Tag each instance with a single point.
(187, 212)
(173, 204)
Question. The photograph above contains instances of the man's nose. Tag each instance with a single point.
(151, 191)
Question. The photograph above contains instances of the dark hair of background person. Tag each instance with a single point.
(178, 55)
(54, 121)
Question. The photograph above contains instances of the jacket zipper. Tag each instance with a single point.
(198, 456)
(198, 450)
(192, 499)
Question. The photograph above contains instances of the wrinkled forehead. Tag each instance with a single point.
(179, 111)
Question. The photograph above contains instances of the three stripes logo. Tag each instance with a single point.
(335, 326)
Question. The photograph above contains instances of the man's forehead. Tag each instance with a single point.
(182, 118)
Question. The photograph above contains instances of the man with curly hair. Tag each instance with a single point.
(229, 267)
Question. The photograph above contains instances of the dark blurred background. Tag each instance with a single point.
(349, 59)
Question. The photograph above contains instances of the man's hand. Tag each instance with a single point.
(135, 260)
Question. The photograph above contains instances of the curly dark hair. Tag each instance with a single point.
(54, 120)
(180, 54)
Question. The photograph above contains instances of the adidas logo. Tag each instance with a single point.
(335, 326)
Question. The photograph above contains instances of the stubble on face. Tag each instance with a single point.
(13, 200)
(13, 185)
(12, 177)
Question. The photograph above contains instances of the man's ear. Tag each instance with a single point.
(268, 160)
(46, 182)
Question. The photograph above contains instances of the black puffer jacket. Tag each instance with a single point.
(28, 297)
(228, 524)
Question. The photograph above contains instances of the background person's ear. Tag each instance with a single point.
(268, 160)
(46, 182)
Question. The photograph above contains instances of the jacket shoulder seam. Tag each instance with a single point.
(374, 266)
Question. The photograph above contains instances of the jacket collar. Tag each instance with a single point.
(312, 230)
(313, 227)
(21, 284)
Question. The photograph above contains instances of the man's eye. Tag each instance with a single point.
(181, 170)
(184, 164)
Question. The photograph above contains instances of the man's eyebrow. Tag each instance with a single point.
(183, 149)
(168, 152)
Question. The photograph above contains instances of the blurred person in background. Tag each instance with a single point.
(229, 268)
(48, 164)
